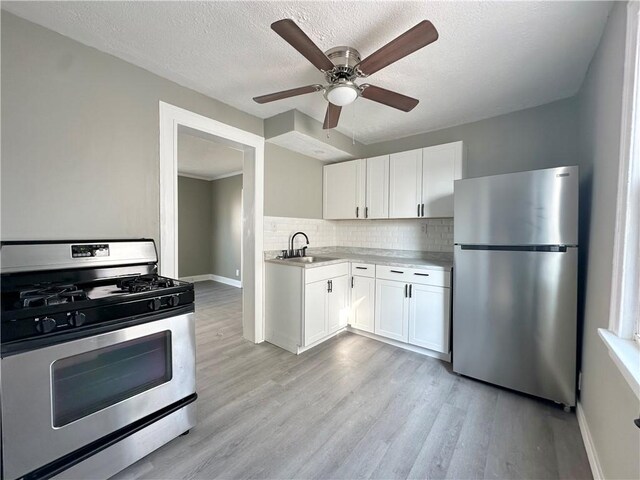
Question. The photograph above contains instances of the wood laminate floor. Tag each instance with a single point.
(352, 408)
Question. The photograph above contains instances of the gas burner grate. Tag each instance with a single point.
(42, 296)
(144, 283)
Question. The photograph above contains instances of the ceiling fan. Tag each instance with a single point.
(341, 66)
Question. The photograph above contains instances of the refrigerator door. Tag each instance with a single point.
(514, 319)
(539, 207)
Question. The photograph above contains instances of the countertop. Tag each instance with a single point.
(393, 258)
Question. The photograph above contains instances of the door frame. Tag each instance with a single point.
(252, 199)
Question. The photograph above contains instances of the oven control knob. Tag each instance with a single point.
(174, 300)
(77, 319)
(154, 304)
(46, 325)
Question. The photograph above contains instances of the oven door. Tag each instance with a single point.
(60, 398)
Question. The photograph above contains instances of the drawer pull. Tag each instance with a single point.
(362, 268)
(406, 287)
(396, 271)
(422, 274)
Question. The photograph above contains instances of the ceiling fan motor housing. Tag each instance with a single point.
(345, 60)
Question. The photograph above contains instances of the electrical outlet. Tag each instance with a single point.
(237, 273)
(424, 228)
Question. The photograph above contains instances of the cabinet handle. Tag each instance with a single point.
(352, 280)
(405, 290)
(396, 271)
(366, 212)
(422, 274)
(357, 212)
(410, 288)
(418, 210)
(423, 209)
(329, 286)
(362, 268)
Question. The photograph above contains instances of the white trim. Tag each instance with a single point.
(209, 179)
(226, 280)
(196, 278)
(625, 303)
(446, 357)
(227, 175)
(592, 454)
(626, 356)
(214, 278)
(195, 177)
(253, 192)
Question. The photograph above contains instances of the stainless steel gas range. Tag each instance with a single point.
(97, 357)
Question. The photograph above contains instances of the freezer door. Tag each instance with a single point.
(514, 320)
(539, 207)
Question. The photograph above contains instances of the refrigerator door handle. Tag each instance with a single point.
(518, 248)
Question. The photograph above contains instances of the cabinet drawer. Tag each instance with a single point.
(421, 276)
(363, 270)
(325, 273)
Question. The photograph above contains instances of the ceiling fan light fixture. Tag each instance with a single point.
(342, 94)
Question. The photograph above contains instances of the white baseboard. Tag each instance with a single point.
(592, 455)
(214, 278)
(446, 357)
(196, 278)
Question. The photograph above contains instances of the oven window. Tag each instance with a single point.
(86, 383)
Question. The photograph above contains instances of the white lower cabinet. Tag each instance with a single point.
(429, 313)
(408, 305)
(363, 294)
(338, 303)
(392, 310)
(326, 308)
(315, 311)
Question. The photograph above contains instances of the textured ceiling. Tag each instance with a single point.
(200, 156)
(491, 57)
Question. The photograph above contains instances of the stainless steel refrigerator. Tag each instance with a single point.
(515, 281)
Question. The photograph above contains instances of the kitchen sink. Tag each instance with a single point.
(309, 259)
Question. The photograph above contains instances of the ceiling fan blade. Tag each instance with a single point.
(287, 93)
(414, 39)
(332, 116)
(291, 32)
(389, 98)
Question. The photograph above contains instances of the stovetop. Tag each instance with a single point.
(51, 308)
(48, 296)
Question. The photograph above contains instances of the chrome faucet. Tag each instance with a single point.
(299, 252)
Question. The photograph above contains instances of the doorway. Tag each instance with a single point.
(172, 120)
(209, 209)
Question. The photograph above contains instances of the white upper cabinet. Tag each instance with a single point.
(405, 184)
(413, 184)
(344, 190)
(377, 195)
(441, 165)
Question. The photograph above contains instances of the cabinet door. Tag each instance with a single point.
(429, 317)
(343, 190)
(315, 312)
(391, 314)
(363, 294)
(441, 165)
(338, 304)
(377, 204)
(405, 184)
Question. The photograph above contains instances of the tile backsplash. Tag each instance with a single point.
(429, 234)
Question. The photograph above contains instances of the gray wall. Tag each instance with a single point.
(80, 137)
(608, 402)
(194, 227)
(539, 137)
(292, 184)
(226, 225)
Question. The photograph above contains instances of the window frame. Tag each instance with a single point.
(622, 338)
